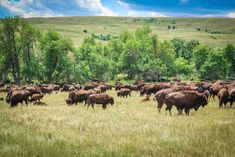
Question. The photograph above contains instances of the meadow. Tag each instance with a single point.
(128, 128)
(216, 32)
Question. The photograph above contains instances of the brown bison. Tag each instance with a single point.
(89, 86)
(149, 89)
(102, 88)
(185, 100)
(18, 96)
(160, 97)
(46, 90)
(102, 99)
(215, 88)
(36, 97)
(78, 96)
(134, 88)
(226, 95)
(124, 92)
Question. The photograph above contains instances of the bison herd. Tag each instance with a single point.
(183, 95)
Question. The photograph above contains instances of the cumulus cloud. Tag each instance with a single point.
(19, 8)
(96, 6)
(231, 15)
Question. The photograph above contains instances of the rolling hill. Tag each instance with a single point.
(216, 32)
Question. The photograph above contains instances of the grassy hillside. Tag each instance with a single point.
(216, 32)
(128, 128)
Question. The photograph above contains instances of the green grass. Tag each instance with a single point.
(128, 128)
(186, 28)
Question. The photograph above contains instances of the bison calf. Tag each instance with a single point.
(36, 97)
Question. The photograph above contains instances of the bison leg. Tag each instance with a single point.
(220, 103)
(231, 104)
(26, 102)
(168, 107)
(186, 111)
(159, 107)
(104, 106)
(92, 105)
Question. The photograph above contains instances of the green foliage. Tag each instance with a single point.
(30, 55)
(55, 52)
(229, 54)
(215, 66)
(182, 66)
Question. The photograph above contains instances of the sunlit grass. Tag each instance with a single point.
(128, 128)
(186, 28)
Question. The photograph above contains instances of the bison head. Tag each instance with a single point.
(69, 102)
(111, 100)
(142, 92)
(118, 93)
(203, 100)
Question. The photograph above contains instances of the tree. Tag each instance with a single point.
(55, 52)
(229, 54)
(29, 66)
(200, 54)
(215, 67)
(17, 40)
(182, 66)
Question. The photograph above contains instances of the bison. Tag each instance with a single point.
(78, 96)
(102, 99)
(36, 97)
(185, 100)
(18, 96)
(124, 92)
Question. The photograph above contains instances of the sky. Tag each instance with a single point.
(133, 8)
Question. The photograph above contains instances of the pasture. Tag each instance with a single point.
(128, 128)
(216, 32)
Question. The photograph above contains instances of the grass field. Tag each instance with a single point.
(128, 128)
(216, 32)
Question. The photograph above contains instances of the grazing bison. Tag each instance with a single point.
(78, 96)
(32, 90)
(36, 97)
(46, 90)
(18, 96)
(102, 99)
(134, 88)
(223, 97)
(56, 88)
(149, 89)
(185, 100)
(89, 86)
(160, 97)
(102, 88)
(215, 88)
(124, 92)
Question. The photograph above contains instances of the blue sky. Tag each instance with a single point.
(149, 8)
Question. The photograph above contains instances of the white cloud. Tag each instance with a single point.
(231, 15)
(135, 13)
(19, 8)
(96, 6)
(123, 4)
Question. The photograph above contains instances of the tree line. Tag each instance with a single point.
(30, 55)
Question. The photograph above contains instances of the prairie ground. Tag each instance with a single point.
(128, 128)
